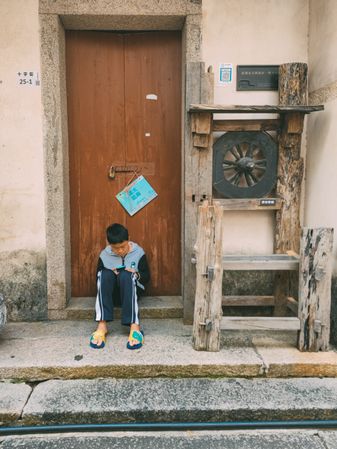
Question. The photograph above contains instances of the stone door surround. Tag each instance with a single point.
(128, 15)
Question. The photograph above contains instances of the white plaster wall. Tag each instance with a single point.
(322, 43)
(252, 32)
(321, 209)
(234, 31)
(21, 181)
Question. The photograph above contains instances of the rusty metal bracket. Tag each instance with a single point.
(318, 326)
(209, 273)
(207, 324)
(120, 169)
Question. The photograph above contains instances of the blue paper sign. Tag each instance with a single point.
(136, 195)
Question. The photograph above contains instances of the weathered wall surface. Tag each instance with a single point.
(22, 229)
(322, 137)
(234, 31)
(252, 32)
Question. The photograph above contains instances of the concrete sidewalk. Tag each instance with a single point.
(60, 349)
(50, 375)
(163, 400)
(282, 439)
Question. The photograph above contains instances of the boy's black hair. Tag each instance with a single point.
(117, 233)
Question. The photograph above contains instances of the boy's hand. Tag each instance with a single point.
(132, 270)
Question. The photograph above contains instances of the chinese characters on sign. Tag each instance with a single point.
(28, 78)
(136, 195)
(257, 77)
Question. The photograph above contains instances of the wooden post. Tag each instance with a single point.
(293, 81)
(208, 298)
(292, 91)
(315, 289)
(198, 176)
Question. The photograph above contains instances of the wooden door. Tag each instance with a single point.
(124, 109)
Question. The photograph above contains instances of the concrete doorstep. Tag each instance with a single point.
(60, 350)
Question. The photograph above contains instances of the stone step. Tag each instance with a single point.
(59, 349)
(282, 439)
(150, 307)
(160, 400)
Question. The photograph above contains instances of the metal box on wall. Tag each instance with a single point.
(257, 77)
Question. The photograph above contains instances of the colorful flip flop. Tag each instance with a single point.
(95, 336)
(138, 336)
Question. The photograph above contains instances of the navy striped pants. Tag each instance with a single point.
(120, 288)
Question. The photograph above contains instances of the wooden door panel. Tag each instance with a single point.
(108, 78)
(153, 134)
(93, 84)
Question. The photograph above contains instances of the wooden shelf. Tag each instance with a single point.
(260, 323)
(244, 301)
(275, 262)
(255, 109)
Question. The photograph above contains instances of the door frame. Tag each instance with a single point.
(56, 17)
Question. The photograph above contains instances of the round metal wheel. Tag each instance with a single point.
(244, 164)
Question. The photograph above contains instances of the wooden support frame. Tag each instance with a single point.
(198, 176)
(313, 306)
(290, 170)
(289, 127)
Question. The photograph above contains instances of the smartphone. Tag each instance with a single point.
(121, 267)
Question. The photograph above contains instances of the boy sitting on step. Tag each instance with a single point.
(122, 271)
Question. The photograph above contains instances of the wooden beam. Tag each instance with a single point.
(293, 83)
(197, 178)
(273, 262)
(246, 125)
(201, 122)
(292, 304)
(208, 250)
(251, 204)
(294, 122)
(315, 289)
(241, 301)
(201, 140)
(259, 323)
(290, 169)
(257, 109)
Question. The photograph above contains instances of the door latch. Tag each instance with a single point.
(122, 169)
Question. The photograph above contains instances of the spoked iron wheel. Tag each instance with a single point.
(244, 165)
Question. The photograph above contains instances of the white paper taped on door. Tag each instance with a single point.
(136, 195)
